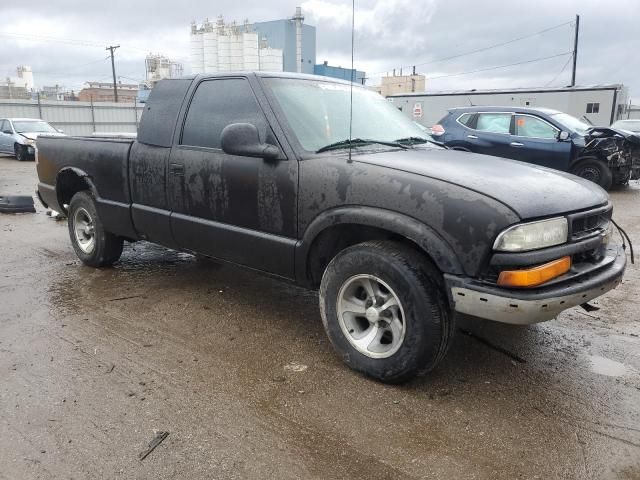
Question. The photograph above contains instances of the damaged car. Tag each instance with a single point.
(549, 138)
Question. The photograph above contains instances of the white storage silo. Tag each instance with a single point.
(250, 51)
(235, 50)
(271, 60)
(210, 50)
(197, 50)
(224, 62)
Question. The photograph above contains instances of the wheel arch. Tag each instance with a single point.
(69, 181)
(336, 229)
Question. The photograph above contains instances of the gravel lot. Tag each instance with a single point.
(237, 368)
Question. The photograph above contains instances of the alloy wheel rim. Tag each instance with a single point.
(84, 230)
(371, 316)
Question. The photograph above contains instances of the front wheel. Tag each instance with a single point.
(92, 244)
(384, 310)
(595, 170)
(20, 152)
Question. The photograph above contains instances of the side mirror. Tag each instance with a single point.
(243, 139)
(60, 130)
(563, 135)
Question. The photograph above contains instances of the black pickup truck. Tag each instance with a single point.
(397, 233)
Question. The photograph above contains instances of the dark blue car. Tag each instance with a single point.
(543, 137)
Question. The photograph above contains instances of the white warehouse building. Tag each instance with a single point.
(222, 48)
(600, 104)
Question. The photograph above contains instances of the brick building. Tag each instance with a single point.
(103, 92)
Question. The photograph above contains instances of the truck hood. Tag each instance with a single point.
(529, 190)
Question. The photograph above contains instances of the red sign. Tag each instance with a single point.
(417, 110)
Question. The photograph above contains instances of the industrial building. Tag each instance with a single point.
(278, 45)
(20, 86)
(103, 92)
(327, 70)
(398, 84)
(599, 104)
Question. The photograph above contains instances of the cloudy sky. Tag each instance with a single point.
(64, 40)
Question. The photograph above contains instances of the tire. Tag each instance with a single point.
(594, 170)
(92, 244)
(20, 152)
(423, 322)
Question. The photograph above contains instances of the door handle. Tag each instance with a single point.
(176, 169)
(516, 144)
(472, 136)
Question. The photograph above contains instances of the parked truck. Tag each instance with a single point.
(271, 172)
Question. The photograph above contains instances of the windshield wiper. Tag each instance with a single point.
(419, 140)
(358, 142)
(412, 140)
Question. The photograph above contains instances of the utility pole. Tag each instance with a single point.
(113, 69)
(575, 51)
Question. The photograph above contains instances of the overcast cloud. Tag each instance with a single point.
(389, 34)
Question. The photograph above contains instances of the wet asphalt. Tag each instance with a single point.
(236, 367)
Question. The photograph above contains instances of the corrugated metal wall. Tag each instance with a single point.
(77, 118)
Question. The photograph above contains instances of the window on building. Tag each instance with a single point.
(593, 107)
(494, 122)
(532, 127)
(216, 104)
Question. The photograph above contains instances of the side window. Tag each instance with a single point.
(494, 122)
(527, 126)
(3, 126)
(216, 104)
(593, 107)
(465, 119)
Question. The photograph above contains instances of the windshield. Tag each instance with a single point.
(571, 123)
(631, 125)
(32, 126)
(318, 114)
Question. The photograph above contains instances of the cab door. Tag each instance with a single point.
(235, 208)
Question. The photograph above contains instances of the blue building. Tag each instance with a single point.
(327, 70)
(282, 34)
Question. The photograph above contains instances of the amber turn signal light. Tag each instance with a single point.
(535, 276)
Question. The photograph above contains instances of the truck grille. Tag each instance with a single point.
(591, 223)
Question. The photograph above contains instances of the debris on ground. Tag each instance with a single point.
(159, 438)
(16, 204)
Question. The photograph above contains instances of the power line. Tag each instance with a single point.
(560, 72)
(67, 41)
(499, 66)
(483, 49)
(495, 67)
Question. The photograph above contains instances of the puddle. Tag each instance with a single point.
(605, 366)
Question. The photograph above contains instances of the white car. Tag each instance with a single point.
(18, 135)
(628, 125)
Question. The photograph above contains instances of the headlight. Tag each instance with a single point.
(531, 236)
(29, 141)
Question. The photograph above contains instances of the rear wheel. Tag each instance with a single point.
(20, 152)
(595, 170)
(384, 310)
(92, 244)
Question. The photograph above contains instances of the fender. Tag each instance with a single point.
(421, 234)
(83, 176)
(115, 216)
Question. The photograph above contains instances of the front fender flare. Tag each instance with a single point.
(419, 233)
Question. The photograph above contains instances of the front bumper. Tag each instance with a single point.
(526, 306)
